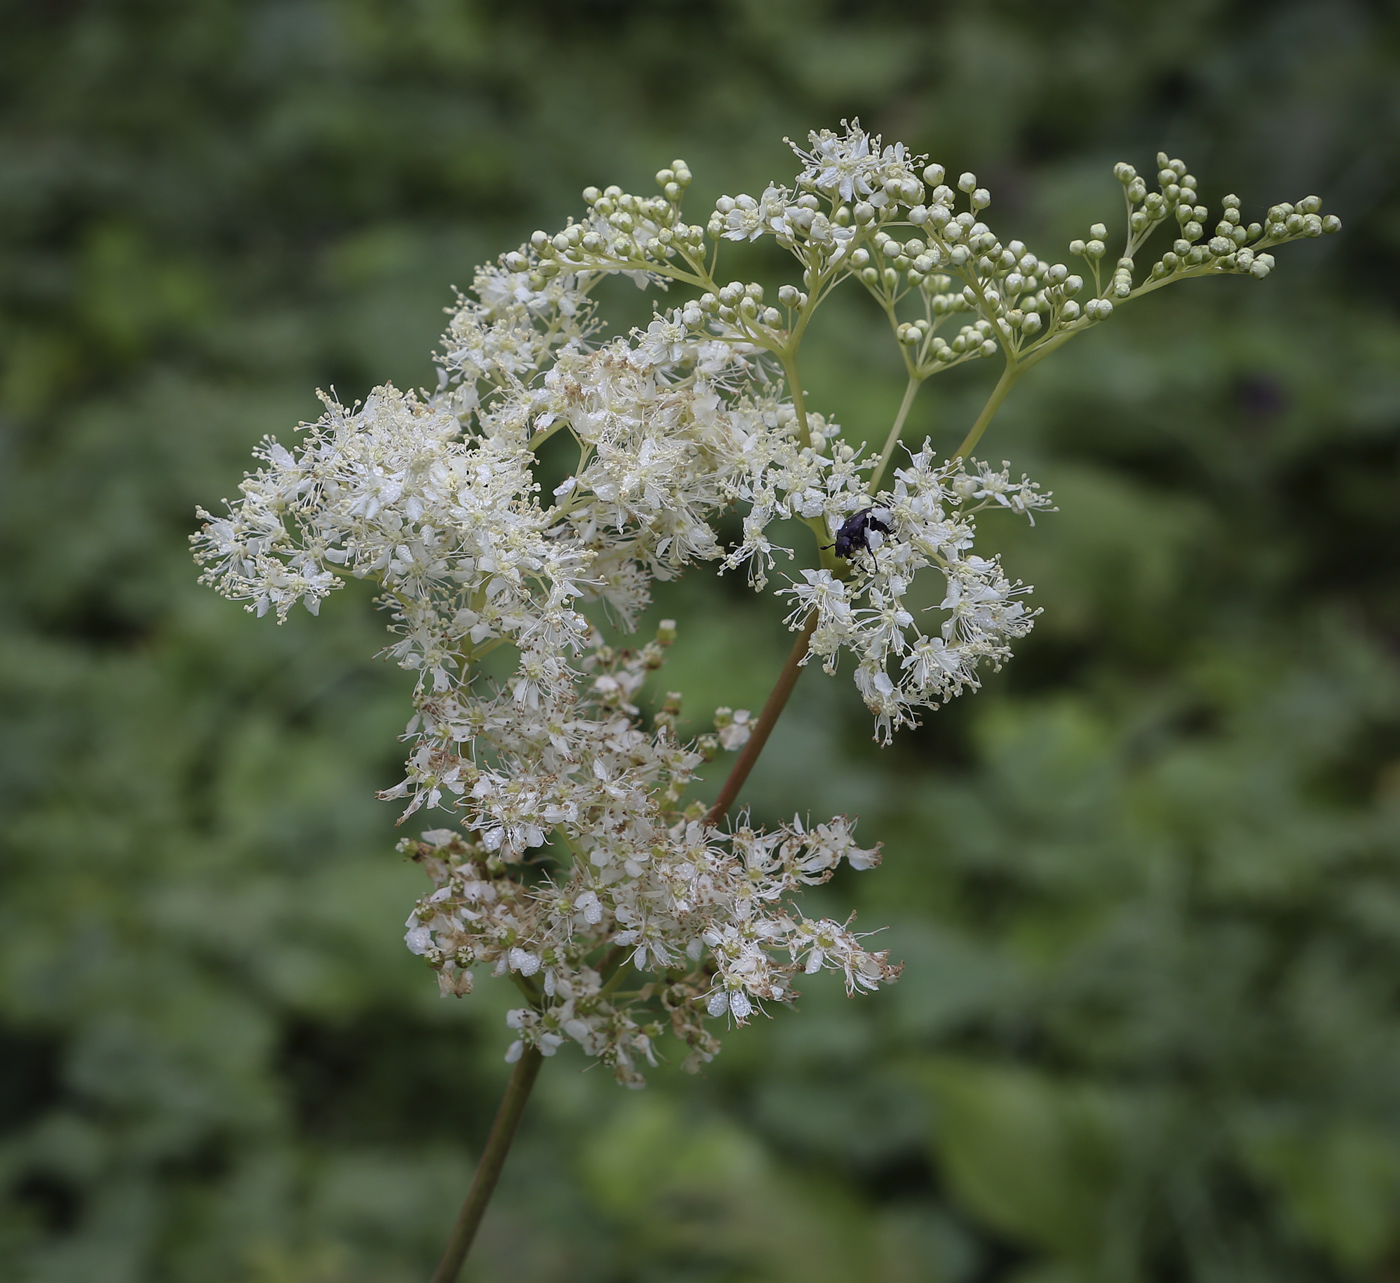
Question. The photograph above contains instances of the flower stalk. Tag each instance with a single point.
(488, 1168)
(767, 719)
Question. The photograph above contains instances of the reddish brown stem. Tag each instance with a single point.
(772, 710)
(488, 1169)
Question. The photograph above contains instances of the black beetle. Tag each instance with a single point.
(857, 529)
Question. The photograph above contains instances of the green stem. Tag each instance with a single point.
(616, 978)
(763, 728)
(799, 402)
(488, 1169)
(1004, 385)
(896, 428)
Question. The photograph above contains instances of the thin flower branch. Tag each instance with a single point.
(1009, 375)
(892, 440)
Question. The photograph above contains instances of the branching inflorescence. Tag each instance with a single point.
(580, 868)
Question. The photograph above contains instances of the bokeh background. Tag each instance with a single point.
(1146, 884)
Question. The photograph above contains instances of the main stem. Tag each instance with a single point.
(488, 1169)
(772, 710)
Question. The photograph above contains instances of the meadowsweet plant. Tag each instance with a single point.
(570, 857)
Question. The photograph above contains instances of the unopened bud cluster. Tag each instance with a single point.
(582, 869)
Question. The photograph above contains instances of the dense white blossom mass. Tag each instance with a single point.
(581, 869)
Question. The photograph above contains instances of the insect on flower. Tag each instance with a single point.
(864, 529)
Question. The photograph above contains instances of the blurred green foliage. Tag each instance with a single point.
(1147, 884)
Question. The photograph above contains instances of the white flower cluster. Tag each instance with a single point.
(925, 520)
(582, 864)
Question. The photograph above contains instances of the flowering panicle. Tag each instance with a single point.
(581, 869)
(583, 860)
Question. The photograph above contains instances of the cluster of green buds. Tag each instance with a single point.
(621, 231)
(1236, 247)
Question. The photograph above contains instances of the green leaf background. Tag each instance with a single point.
(1146, 884)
